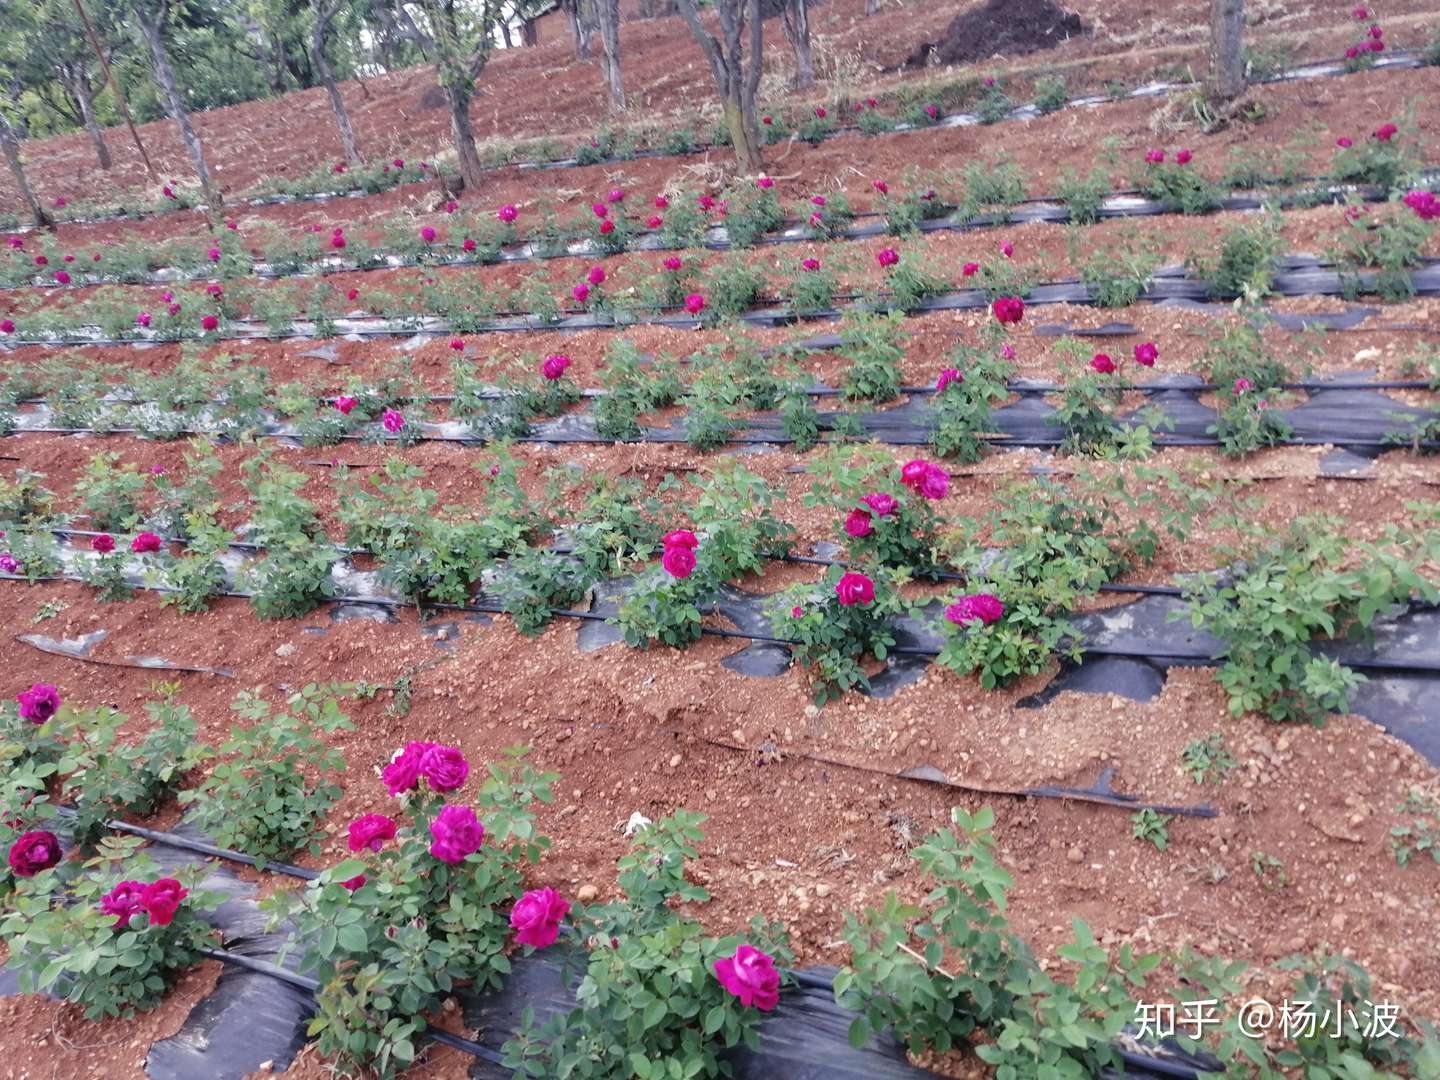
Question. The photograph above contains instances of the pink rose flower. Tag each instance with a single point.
(694, 303)
(428, 234)
(507, 213)
(751, 976)
(607, 227)
(353, 883)
(654, 221)
(62, 277)
(337, 242)
(444, 768)
(1102, 363)
(143, 319)
(596, 275)
(881, 186)
(403, 772)
(370, 831)
(1155, 157)
(468, 244)
(554, 366)
(882, 504)
(34, 851)
(104, 543)
(707, 202)
(933, 111)
(764, 182)
(161, 899)
(345, 404)
(536, 917)
(1343, 142)
(857, 523)
(981, 606)
(614, 195)
(679, 562)
(811, 263)
(1006, 248)
(1183, 157)
(673, 263)
(887, 257)
(600, 210)
(213, 254)
(853, 588)
(581, 293)
(661, 202)
(208, 322)
(352, 294)
(1008, 309)
(40, 702)
(818, 200)
(457, 834)
(1242, 384)
(124, 901)
(457, 344)
(820, 112)
(145, 543)
(947, 376)
(681, 538)
(1385, 132)
(392, 420)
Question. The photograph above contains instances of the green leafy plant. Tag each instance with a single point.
(1151, 826)
(834, 635)
(1270, 871)
(109, 491)
(1307, 580)
(391, 931)
(649, 1004)
(1245, 264)
(273, 785)
(63, 944)
(1207, 760)
(1391, 243)
(1033, 1024)
(1421, 833)
(1051, 94)
(874, 345)
(1247, 422)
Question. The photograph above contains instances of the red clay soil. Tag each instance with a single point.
(543, 91)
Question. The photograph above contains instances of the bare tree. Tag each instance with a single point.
(11, 146)
(325, 12)
(608, 12)
(1227, 67)
(735, 67)
(795, 21)
(115, 91)
(152, 15)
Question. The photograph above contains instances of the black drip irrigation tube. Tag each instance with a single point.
(1305, 277)
(1401, 59)
(1041, 208)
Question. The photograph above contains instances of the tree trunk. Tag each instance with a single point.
(737, 81)
(795, 21)
(327, 76)
(529, 33)
(150, 24)
(505, 34)
(12, 158)
(81, 90)
(872, 6)
(577, 12)
(608, 12)
(471, 171)
(1227, 69)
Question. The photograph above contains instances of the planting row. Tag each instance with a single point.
(434, 901)
(734, 391)
(678, 219)
(1381, 255)
(1027, 565)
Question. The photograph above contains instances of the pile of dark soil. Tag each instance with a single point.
(999, 28)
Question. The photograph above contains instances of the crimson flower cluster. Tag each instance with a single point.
(678, 558)
(159, 900)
